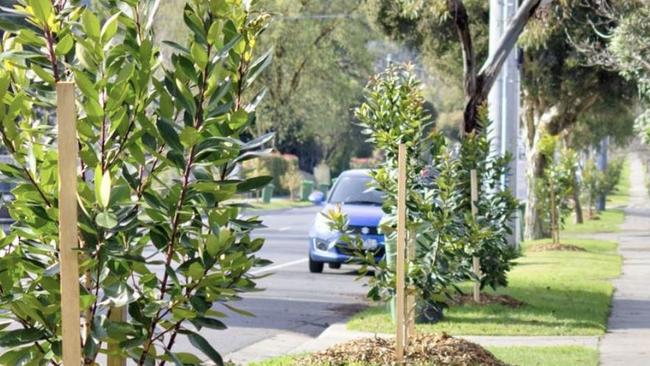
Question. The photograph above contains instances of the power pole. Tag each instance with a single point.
(602, 166)
(503, 104)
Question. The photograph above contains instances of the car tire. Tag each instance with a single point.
(333, 265)
(315, 267)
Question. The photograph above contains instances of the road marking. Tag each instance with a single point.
(284, 228)
(283, 265)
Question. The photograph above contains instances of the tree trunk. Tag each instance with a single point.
(534, 224)
(577, 206)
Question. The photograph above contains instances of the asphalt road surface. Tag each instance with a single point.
(293, 300)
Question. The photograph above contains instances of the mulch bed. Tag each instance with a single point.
(556, 247)
(423, 349)
(489, 299)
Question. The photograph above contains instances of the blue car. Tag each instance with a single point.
(362, 205)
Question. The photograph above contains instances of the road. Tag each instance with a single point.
(294, 301)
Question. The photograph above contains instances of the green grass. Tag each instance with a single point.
(610, 220)
(547, 356)
(621, 195)
(521, 356)
(568, 293)
(607, 222)
(279, 204)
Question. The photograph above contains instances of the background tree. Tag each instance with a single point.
(322, 63)
(559, 90)
(322, 60)
(562, 92)
(452, 25)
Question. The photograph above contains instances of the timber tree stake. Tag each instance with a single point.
(68, 237)
(476, 265)
(400, 270)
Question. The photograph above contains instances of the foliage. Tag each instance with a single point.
(557, 185)
(158, 147)
(593, 181)
(275, 165)
(496, 206)
(317, 78)
(291, 179)
(394, 114)
(629, 46)
(438, 196)
(613, 174)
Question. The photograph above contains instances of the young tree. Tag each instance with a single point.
(158, 147)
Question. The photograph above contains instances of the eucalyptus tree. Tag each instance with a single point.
(559, 90)
(158, 146)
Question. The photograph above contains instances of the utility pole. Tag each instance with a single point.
(504, 102)
(602, 167)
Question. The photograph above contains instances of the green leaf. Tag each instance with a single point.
(64, 45)
(238, 119)
(254, 183)
(105, 189)
(209, 323)
(91, 24)
(42, 9)
(200, 55)
(44, 75)
(110, 27)
(19, 337)
(189, 136)
(169, 134)
(196, 270)
(259, 66)
(203, 345)
(107, 220)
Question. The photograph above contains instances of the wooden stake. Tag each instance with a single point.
(118, 315)
(68, 236)
(476, 265)
(400, 260)
(410, 296)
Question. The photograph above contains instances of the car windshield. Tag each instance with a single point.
(355, 190)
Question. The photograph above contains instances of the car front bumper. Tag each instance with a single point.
(330, 251)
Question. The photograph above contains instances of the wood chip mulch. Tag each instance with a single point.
(489, 299)
(556, 247)
(423, 349)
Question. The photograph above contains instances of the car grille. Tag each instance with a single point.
(358, 229)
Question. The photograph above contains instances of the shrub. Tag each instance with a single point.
(276, 165)
(438, 195)
(292, 178)
(158, 148)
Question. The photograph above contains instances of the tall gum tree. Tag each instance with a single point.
(558, 88)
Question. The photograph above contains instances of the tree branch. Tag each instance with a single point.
(495, 61)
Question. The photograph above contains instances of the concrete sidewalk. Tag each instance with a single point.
(627, 341)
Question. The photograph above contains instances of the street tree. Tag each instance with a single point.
(559, 89)
(158, 234)
(454, 25)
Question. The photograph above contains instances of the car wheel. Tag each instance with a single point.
(334, 265)
(315, 267)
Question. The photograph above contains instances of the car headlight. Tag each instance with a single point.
(322, 225)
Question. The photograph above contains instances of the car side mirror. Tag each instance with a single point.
(316, 197)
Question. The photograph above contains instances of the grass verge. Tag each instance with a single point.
(547, 356)
(607, 222)
(521, 356)
(567, 293)
(279, 204)
(621, 195)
